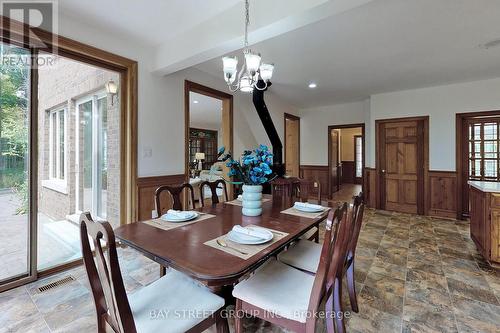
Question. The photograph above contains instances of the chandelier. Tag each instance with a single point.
(252, 70)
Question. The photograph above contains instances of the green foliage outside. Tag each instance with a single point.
(14, 103)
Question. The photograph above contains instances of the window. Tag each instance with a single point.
(57, 141)
(483, 154)
(358, 151)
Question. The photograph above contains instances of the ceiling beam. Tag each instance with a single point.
(224, 33)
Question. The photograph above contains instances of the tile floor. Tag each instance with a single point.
(413, 273)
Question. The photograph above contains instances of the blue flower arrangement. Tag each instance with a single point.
(254, 167)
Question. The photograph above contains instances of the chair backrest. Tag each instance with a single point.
(357, 218)
(305, 189)
(333, 251)
(213, 189)
(108, 290)
(176, 195)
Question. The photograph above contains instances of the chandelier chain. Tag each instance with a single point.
(247, 21)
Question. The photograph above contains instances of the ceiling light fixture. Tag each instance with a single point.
(196, 102)
(252, 70)
(312, 85)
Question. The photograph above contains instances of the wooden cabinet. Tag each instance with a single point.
(485, 223)
(203, 141)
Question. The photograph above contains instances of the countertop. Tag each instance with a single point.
(492, 187)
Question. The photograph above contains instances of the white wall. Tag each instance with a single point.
(314, 128)
(161, 104)
(441, 104)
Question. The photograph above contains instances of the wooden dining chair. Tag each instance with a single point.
(213, 190)
(176, 195)
(171, 294)
(287, 297)
(303, 191)
(357, 216)
(305, 255)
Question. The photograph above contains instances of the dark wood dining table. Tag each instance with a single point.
(183, 248)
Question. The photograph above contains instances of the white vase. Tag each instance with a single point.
(252, 200)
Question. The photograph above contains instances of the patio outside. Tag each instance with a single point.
(78, 158)
(58, 241)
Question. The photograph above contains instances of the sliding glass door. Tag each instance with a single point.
(92, 124)
(16, 220)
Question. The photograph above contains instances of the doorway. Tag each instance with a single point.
(292, 145)
(208, 128)
(402, 163)
(37, 149)
(478, 153)
(346, 159)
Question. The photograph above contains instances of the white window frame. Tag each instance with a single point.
(57, 181)
(356, 160)
(93, 97)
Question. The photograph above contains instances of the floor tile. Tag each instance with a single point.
(413, 274)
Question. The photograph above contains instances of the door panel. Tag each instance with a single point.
(16, 179)
(292, 147)
(334, 161)
(401, 162)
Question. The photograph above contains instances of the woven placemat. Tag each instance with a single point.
(236, 249)
(296, 212)
(165, 225)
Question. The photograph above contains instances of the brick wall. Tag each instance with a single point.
(62, 85)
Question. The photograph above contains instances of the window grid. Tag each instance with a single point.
(359, 156)
(483, 150)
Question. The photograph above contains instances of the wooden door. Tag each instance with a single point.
(334, 164)
(292, 137)
(401, 160)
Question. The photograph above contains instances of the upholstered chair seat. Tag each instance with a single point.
(310, 234)
(303, 255)
(174, 301)
(278, 289)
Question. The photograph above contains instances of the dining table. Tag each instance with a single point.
(183, 248)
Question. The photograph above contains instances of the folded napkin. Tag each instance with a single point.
(308, 205)
(254, 232)
(178, 214)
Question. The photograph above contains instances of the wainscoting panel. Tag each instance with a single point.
(146, 188)
(442, 194)
(370, 187)
(348, 171)
(317, 173)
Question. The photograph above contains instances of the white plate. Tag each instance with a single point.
(310, 209)
(168, 218)
(249, 240)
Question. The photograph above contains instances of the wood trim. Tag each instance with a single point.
(145, 192)
(461, 159)
(370, 189)
(423, 177)
(442, 194)
(316, 173)
(227, 120)
(291, 117)
(332, 127)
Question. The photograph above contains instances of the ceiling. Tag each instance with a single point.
(151, 21)
(383, 46)
(207, 113)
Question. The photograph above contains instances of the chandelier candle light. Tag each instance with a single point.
(252, 71)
